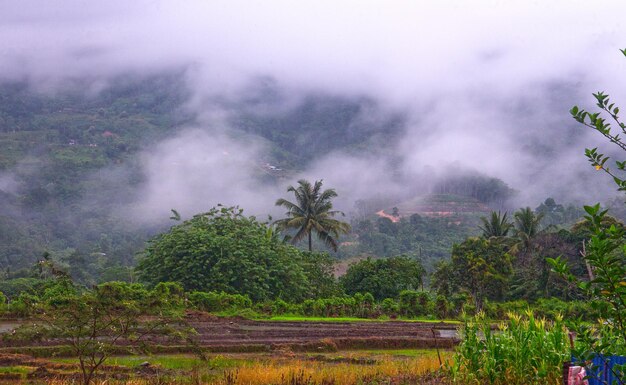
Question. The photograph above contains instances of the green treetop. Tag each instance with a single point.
(224, 250)
(312, 212)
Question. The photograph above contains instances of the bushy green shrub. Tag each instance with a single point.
(585, 310)
(390, 307)
(549, 308)
(215, 302)
(442, 307)
(415, 303)
(457, 301)
(359, 305)
(330, 307)
(383, 278)
(24, 305)
(364, 305)
(204, 301)
(280, 307)
(12, 288)
(124, 291)
(499, 310)
(308, 307)
(3, 303)
(60, 291)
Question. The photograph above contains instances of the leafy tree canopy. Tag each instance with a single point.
(558, 214)
(383, 278)
(482, 267)
(484, 188)
(224, 250)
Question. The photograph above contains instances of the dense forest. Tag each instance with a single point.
(60, 152)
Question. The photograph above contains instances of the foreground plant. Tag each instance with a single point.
(606, 251)
(611, 128)
(105, 320)
(522, 350)
(606, 257)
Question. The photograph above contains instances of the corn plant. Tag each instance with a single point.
(522, 350)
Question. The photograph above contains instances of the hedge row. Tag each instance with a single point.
(409, 304)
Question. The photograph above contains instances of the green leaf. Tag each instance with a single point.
(592, 210)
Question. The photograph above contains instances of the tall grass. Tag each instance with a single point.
(305, 373)
(523, 350)
(294, 372)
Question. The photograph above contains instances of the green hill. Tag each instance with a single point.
(69, 159)
(425, 226)
(440, 205)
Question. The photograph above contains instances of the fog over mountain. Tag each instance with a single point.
(485, 88)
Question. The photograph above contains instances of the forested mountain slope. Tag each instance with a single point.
(72, 157)
(69, 157)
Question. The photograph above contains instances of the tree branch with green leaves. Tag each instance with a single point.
(607, 128)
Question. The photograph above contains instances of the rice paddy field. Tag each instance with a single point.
(242, 351)
(522, 350)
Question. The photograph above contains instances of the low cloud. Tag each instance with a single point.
(484, 86)
(8, 184)
(200, 169)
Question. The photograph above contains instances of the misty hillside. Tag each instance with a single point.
(68, 160)
(52, 149)
(320, 125)
(88, 175)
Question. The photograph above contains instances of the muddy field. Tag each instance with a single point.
(244, 347)
(345, 335)
(242, 335)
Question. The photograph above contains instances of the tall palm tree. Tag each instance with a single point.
(312, 212)
(496, 226)
(527, 225)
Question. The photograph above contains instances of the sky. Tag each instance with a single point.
(478, 82)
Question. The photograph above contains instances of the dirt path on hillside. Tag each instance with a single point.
(383, 214)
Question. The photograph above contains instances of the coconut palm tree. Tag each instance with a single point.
(496, 226)
(312, 212)
(527, 225)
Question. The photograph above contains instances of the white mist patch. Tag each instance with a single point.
(455, 68)
(355, 178)
(198, 170)
(8, 184)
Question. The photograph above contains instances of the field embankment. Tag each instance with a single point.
(216, 334)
